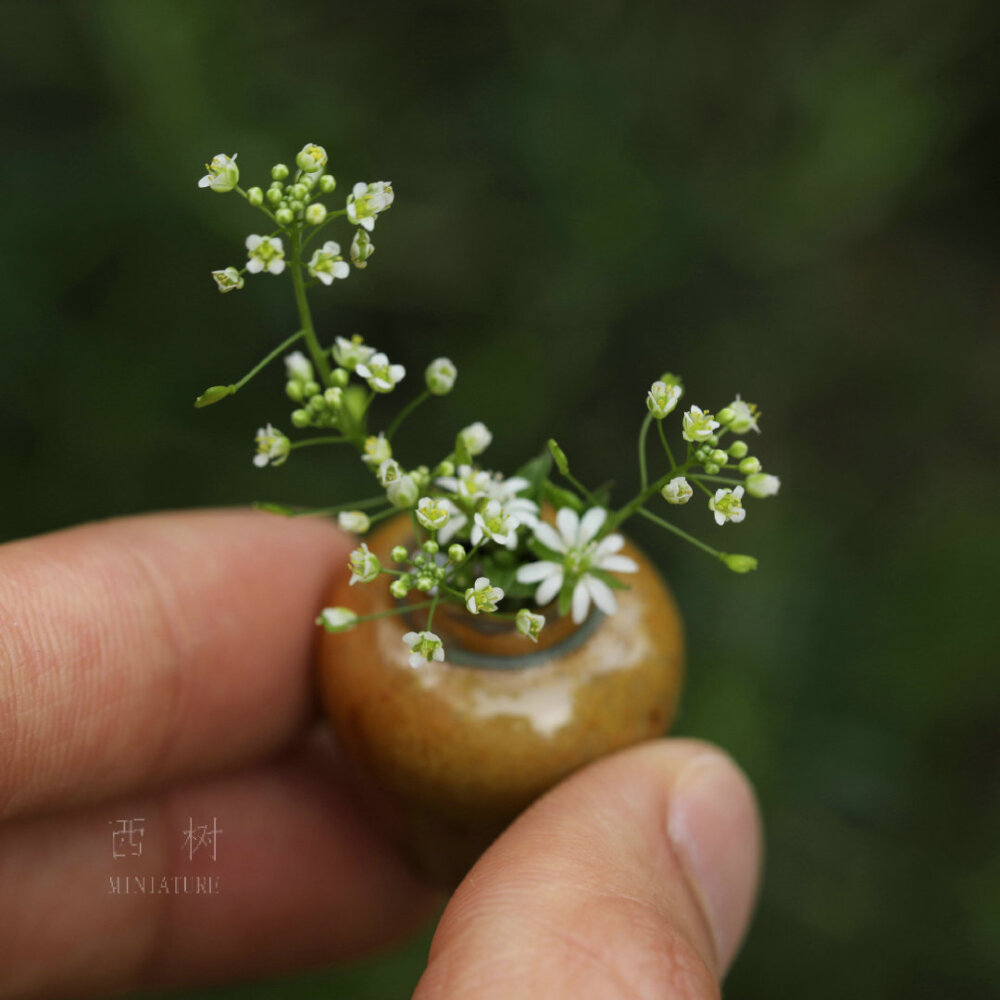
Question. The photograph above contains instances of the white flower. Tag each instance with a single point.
(337, 619)
(677, 491)
(403, 492)
(433, 513)
(496, 524)
(350, 353)
(424, 647)
(470, 483)
(581, 556)
(228, 279)
(265, 252)
(761, 485)
(388, 472)
(223, 174)
(355, 521)
(377, 451)
(311, 158)
(698, 425)
(482, 597)
(364, 565)
(476, 437)
(529, 624)
(298, 367)
(361, 249)
(327, 264)
(744, 416)
(272, 447)
(440, 376)
(662, 398)
(381, 376)
(728, 505)
(367, 200)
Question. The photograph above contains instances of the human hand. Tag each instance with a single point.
(160, 667)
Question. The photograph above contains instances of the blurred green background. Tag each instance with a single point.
(796, 202)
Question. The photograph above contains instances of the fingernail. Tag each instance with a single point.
(715, 829)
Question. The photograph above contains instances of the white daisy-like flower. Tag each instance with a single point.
(727, 505)
(364, 565)
(483, 596)
(677, 491)
(355, 521)
(761, 485)
(424, 647)
(272, 447)
(228, 279)
(366, 201)
(662, 398)
(529, 624)
(379, 373)
(337, 619)
(573, 538)
(350, 353)
(698, 425)
(327, 264)
(223, 174)
(266, 253)
(496, 524)
(433, 512)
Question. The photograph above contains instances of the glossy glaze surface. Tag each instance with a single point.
(463, 749)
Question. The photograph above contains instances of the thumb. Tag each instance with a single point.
(634, 877)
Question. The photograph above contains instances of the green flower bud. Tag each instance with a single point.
(293, 390)
(273, 196)
(424, 583)
(300, 419)
(327, 183)
(403, 492)
(718, 457)
(750, 465)
(712, 440)
(279, 171)
(440, 375)
(445, 469)
(340, 377)
(726, 415)
(315, 213)
(400, 587)
(297, 191)
(456, 552)
(738, 449)
(558, 456)
(702, 454)
(284, 216)
(213, 394)
(399, 554)
(738, 564)
(419, 559)
(761, 485)
(431, 547)
(296, 206)
(311, 388)
(711, 468)
(255, 196)
(337, 619)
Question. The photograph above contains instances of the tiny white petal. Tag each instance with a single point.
(568, 524)
(581, 602)
(548, 588)
(534, 572)
(549, 537)
(591, 523)
(602, 594)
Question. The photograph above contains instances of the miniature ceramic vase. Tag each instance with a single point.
(462, 746)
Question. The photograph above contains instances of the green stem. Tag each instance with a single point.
(283, 346)
(405, 412)
(643, 473)
(663, 439)
(382, 514)
(266, 211)
(683, 534)
(277, 508)
(305, 316)
(330, 216)
(320, 440)
(719, 479)
(635, 504)
(430, 614)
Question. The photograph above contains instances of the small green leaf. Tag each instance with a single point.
(559, 497)
(565, 597)
(213, 394)
(275, 508)
(737, 563)
(562, 463)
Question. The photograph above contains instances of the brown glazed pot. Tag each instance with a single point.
(462, 746)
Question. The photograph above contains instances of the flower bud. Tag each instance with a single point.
(726, 415)
(273, 195)
(361, 248)
(738, 449)
(333, 397)
(711, 468)
(750, 465)
(279, 171)
(364, 565)
(402, 492)
(761, 485)
(529, 624)
(718, 457)
(298, 191)
(445, 468)
(399, 554)
(296, 206)
(558, 456)
(476, 438)
(311, 158)
(340, 377)
(431, 547)
(293, 390)
(213, 394)
(677, 491)
(738, 564)
(327, 183)
(284, 216)
(300, 419)
(337, 619)
(440, 375)
(400, 587)
(315, 213)
(456, 552)
(355, 521)
(425, 583)
(255, 196)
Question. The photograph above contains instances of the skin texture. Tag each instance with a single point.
(161, 667)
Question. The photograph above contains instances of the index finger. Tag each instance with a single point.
(139, 650)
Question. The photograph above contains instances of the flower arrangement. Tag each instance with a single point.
(517, 547)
